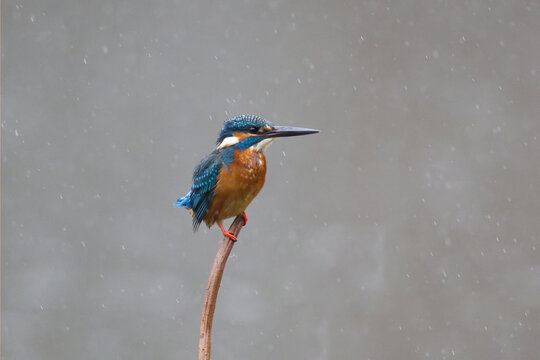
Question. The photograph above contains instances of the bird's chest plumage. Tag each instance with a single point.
(247, 169)
(238, 184)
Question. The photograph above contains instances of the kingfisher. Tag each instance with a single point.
(228, 179)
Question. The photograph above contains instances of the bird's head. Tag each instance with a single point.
(247, 131)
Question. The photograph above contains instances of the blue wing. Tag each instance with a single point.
(205, 178)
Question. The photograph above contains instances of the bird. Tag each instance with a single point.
(228, 179)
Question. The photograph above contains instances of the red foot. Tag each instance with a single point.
(227, 233)
(245, 217)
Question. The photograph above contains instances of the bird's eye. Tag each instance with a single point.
(253, 129)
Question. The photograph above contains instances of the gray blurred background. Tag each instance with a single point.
(409, 228)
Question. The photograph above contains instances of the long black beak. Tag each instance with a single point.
(281, 131)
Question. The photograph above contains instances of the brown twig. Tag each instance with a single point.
(205, 338)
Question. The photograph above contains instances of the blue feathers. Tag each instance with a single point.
(184, 202)
(247, 142)
(244, 123)
(205, 179)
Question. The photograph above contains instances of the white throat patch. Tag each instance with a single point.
(228, 141)
(261, 145)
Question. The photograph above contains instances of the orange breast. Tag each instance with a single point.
(237, 185)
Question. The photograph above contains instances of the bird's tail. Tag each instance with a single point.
(184, 202)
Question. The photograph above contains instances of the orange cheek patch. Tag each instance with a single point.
(241, 136)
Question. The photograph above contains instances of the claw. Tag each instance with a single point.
(245, 217)
(228, 234)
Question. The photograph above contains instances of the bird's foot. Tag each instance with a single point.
(228, 234)
(245, 217)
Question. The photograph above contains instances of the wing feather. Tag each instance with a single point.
(205, 179)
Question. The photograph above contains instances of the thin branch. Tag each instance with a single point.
(205, 338)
